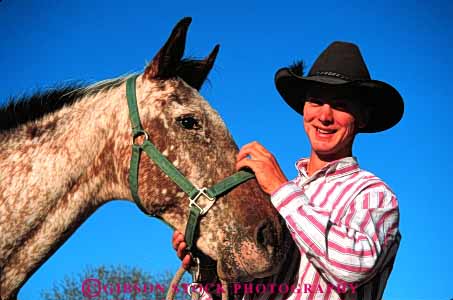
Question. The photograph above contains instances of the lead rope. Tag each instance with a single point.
(175, 282)
(225, 293)
(194, 295)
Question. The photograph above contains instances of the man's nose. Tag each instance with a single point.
(326, 114)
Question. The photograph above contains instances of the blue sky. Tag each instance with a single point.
(406, 43)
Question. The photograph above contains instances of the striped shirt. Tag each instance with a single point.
(344, 222)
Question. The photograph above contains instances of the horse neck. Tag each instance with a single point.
(54, 173)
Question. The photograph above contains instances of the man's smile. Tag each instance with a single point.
(324, 132)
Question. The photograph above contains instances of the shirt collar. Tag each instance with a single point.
(335, 169)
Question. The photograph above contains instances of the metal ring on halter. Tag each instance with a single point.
(137, 134)
(198, 288)
(195, 272)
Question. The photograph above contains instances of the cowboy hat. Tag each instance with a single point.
(341, 66)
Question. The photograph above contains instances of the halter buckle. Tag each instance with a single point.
(202, 192)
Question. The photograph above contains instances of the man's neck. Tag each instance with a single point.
(318, 161)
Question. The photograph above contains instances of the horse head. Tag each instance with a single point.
(242, 231)
(66, 151)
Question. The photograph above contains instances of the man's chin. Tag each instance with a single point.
(328, 154)
(325, 150)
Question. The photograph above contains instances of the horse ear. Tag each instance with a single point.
(166, 61)
(196, 71)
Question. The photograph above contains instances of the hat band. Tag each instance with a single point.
(333, 74)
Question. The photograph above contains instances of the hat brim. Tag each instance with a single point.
(385, 103)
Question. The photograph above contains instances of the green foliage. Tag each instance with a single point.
(114, 283)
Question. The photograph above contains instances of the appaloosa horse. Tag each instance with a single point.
(66, 152)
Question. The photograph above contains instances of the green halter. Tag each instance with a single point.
(195, 211)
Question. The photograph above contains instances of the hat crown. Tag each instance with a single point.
(342, 60)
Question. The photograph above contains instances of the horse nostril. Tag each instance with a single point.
(265, 235)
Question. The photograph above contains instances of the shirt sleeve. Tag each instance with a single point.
(349, 249)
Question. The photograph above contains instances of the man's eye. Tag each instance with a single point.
(188, 122)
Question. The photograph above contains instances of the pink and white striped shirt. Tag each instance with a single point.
(344, 221)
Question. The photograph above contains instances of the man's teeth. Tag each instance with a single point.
(325, 131)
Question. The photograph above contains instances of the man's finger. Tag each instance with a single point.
(255, 146)
(252, 164)
(259, 147)
(254, 153)
(174, 236)
(256, 150)
(177, 239)
(181, 251)
(186, 262)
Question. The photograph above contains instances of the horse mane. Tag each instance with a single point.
(28, 108)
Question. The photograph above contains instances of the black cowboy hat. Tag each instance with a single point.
(341, 66)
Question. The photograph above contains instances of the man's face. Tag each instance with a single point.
(331, 124)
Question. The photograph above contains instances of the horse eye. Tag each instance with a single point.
(188, 122)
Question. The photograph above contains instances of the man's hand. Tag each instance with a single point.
(263, 163)
(180, 246)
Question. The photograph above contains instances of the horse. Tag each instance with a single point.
(65, 152)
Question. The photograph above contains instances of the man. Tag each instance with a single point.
(344, 220)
